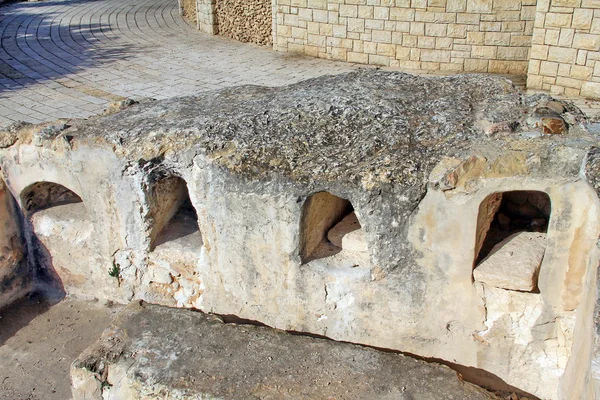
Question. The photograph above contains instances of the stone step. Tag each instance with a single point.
(151, 351)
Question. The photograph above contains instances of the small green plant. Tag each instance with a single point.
(115, 271)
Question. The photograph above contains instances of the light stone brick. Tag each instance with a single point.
(512, 26)
(533, 67)
(497, 39)
(418, 3)
(370, 48)
(365, 12)
(586, 41)
(451, 67)
(566, 3)
(374, 24)
(552, 37)
(375, 59)
(471, 65)
(590, 90)
(402, 53)
(475, 37)
(555, 20)
(356, 25)
(479, 6)
(424, 16)
(582, 18)
(381, 13)
(417, 28)
(490, 26)
(409, 64)
(457, 31)
(409, 41)
(499, 67)
(582, 57)
(562, 55)
(566, 37)
(569, 82)
(487, 52)
(513, 53)
(581, 72)
(435, 30)
(456, 5)
(428, 55)
(538, 37)
(564, 70)
(468, 18)
(316, 40)
(381, 36)
(317, 4)
(534, 82)
(340, 31)
(527, 13)
(397, 37)
(539, 52)
(520, 40)
(359, 58)
(426, 42)
(386, 49)
(415, 54)
(443, 43)
(402, 14)
(350, 11)
(548, 68)
(499, 5)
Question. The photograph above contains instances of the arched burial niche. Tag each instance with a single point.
(43, 195)
(328, 227)
(174, 217)
(60, 240)
(510, 242)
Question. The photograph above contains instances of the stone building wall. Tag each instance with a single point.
(565, 46)
(448, 35)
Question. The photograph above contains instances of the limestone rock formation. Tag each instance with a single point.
(259, 176)
(157, 352)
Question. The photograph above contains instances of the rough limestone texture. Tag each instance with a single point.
(15, 279)
(514, 263)
(415, 157)
(245, 20)
(153, 352)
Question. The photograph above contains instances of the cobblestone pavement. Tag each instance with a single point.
(70, 58)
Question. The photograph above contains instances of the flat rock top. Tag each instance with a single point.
(382, 127)
(167, 351)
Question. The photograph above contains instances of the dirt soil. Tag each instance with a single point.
(39, 341)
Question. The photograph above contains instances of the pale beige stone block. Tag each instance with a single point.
(566, 37)
(402, 53)
(456, 5)
(499, 5)
(316, 40)
(381, 36)
(582, 57)
(517, 67)
(564, 69)
(409, 64)
(513, 26)
(562, 55)
(435, 29)
(569, 82)
(468, 18)
(376, 24)
(317, 4)
(324, 16)
(402, 14)
(386, 49)
(581, 72)
(436, 3)
(520, 40)
(487, 52)
(534, 82)
(555, 20)
(566, 3)
(586, 41)
(451, 67)
(424, 16)
(538, 37)
(409, 41)
(472, 65)
(513, 53)
(475, 38)
(590, 4)
(456, 31)
(490, 26)
(527, 13)
(426, 42)
(350, 11)
(381, 13)
(339, 31)
(418, 4)
(514, 263)
(417, 28)
(533, 67)
(479, 6)
(375, 59)
(497, 39)
(397, 37)
(356, 25)
(370, 48)
(499, 67)
(548, 68)
(359, 58)
(582, 18)
(552, 37)
(365, 12)
(590, 90)
(539, 52)
(443, 43)
(415, 54)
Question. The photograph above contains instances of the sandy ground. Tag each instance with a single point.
(38, 342)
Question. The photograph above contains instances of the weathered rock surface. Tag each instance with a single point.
(156, 352)
(514, 263)
(270, 171)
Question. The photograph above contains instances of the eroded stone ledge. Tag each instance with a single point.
(157, 352)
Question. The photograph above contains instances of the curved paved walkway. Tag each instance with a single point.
(69, 58)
